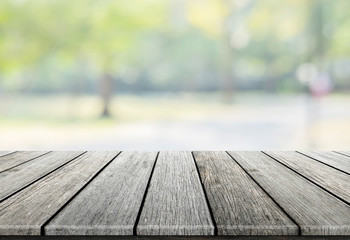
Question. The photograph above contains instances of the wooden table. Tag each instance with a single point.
(199, 195)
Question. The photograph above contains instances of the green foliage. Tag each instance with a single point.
(169, 44)
(32, 31)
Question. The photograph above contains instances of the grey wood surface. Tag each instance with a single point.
(3, 153)
(17, 158)
(26, 212)
(124, 237)
(329, 178)
(331, 158)
(175, 203)
(96, 195)
(110, 204)
(316, 211)
(20, 176)
(239, 205)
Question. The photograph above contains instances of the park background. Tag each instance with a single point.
(174, 74)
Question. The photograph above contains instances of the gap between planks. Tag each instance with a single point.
(12, 160)
(148, 185)
(206, 197)
(317, 173)
(144, 197)
(26, 212)
(110, 204)
(316, 211)
(236, 210)
(42, 229)
(19, 180)
(335, 160)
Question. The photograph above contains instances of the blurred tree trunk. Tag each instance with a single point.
(271, 81)
(319, 25)
(227, 54)
(106, 91)
(232, 21)
(316, 56)
(79, 81)
(315, 32)
(227, 71)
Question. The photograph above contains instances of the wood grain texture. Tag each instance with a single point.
(17, 158)
(239, 205)
(316, 211)
(3, 153)
(110, 204)
(330, 158)
(20, 176)
(175, 203)
(25, 213)
(123, 237)
(329, 178)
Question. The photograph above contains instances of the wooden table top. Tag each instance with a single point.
(201, 193)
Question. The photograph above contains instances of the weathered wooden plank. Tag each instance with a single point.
(20, 176)
(333, 159)
(175, 203)
(239, 205)
(3, 153)
(17, 158)
(26, 212)
(110, 204)
(123, 237)
(314, 210)
(329, 178)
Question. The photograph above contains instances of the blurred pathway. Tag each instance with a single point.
(276, 125)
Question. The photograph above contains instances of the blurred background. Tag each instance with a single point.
(174, 74)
